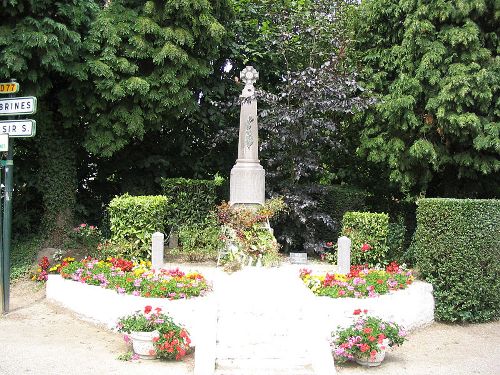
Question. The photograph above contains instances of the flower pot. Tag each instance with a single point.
(142, 344)
(377, 359)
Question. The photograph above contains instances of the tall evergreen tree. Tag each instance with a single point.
(435, 69)
(146, 60)
(41, 46)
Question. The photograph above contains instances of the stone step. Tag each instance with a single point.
(265, 350)
(262, 367)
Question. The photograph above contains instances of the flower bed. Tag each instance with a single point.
(360, 282)
(126, 277)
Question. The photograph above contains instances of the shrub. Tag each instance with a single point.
(336, 200)
(201, 241)
(396, 239)
(314, 215)
(368, 233)
(134, 219)
(191, 200)
(457, 248)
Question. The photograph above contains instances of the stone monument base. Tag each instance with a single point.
(247, 183)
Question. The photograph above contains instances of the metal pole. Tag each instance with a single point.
(2, 287)
(7, 223)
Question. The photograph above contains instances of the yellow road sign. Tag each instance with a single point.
(9, 87)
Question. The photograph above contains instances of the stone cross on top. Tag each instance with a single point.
(249, 75)
(247, 176)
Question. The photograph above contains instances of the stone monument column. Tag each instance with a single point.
(247, 181)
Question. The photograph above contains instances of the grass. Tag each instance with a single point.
(22, 256)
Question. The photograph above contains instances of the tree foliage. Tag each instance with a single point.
(145, 58)
(41, 46)
(435, 70)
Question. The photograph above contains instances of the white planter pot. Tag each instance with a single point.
(377, 360)
(142, 343)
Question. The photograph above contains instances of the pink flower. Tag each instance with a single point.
(356, 312)
(83, 225)
(126, 338)
(329, 244)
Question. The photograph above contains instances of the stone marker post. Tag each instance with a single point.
(344, 255)
(157, 250)
(247, 181)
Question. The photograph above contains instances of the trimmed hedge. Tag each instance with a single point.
(133, 219)
(191, 200)
(457, 248)
(336, 200)
(367, 228)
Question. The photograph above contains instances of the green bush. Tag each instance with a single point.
(201, 241)
(396, 240)
(366, 228)
(336, 200)
(133, 219)
(457, 248)
(191, 200)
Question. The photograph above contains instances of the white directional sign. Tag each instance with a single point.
(18, 106)
(4, 142)
(18, 128)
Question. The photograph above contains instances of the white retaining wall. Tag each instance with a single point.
(411, 308)
(105, 306)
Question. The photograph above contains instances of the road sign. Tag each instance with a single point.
(18, 106)
(9, 87)
(4, 142)
(18, 128)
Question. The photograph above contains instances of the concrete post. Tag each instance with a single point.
(344, 255)
(157, 250)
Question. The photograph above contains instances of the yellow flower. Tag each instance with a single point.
(52, 269)
(139, 271)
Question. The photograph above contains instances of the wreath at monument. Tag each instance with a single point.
(248, 237)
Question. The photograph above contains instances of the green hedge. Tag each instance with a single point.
(336, 200)
(133, 219)
(367, 228)
(457, 248)
(190, 200)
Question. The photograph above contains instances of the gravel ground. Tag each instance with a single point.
(38, 337)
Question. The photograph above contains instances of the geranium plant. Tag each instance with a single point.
(171, 342)
(361, 281)
(367, 336)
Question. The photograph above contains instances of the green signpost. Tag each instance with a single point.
(12, 127)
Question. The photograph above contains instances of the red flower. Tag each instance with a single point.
(147, 309)
(373, 353)
(365, 247)
(365, 311)
(356, 312)
(364, 347)
(371, 338)
(380, 281)
(367, 330)
(158, 309)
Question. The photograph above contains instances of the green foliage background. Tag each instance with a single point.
(134, 219)
(370, 228)
(457, 246)
(435, 70)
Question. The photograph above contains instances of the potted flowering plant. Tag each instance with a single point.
(367, 339)
(154, 334)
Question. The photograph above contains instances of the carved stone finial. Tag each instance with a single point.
(249, 75)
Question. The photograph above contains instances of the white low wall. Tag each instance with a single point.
(411, 308)
(105, 306)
